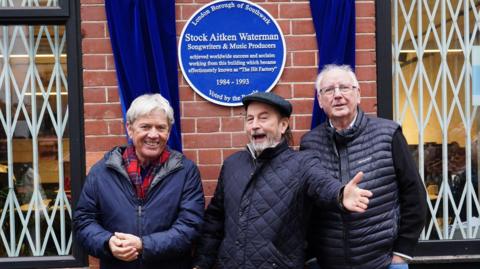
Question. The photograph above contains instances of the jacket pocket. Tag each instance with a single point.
(278, 259)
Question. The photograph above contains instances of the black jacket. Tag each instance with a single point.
(397, 210)
(260, 209)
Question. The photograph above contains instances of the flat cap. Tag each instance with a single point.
(282, 105)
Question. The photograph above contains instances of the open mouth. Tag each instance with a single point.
(151, 143)
(257, 137)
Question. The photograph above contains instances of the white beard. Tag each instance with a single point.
(260, 147)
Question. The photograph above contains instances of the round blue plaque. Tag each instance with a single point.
(230, 49)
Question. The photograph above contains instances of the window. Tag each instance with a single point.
(430, 93)
(41, 142)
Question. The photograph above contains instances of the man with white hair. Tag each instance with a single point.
(351, 142)
(258, 215)
(142, 204)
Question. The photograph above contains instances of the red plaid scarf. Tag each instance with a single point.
(133, 168)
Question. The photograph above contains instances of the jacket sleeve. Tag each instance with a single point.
(323, 189)
(177, 241)
(413, 197)
(212, 230)
(89, 233)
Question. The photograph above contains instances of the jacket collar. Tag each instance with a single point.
(349, 134)
(114, 160)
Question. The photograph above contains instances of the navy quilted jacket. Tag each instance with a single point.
(258, 215)
(168, 220)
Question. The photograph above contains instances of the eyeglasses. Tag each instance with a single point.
(329, 91)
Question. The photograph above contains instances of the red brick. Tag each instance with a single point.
(189, 10)
(96, 127)
(93, 61)
(296, 10)
(206, 141)
(179, 26)
(284, 26)
(366, 73)
(93, 13)
(297, 136)
(210, 156)
(209, 171)
(288, 59)
(365, 25)
(301, 43)
(228, 152)
(208, 125)
(93, 29)
(239, 139)
(94, 95)
(303, 122)
(232, 124)
(303, 27)
(116, 127)
(92, 261)
(186, 93)
(112, 95)
(299, 74)
(365, 57)
(304, 90)
(103, 143)
(91, 158)
(102, 111)
(369, 105)
(96, 45)
(303, 58)
(188, 125)
(83, 2)
(284, 90)
(238, 111)
(302, 106)
(204, 109)
(191, 154)
(95, 78)
(272, 9)
(209, 187)
(368, 89)
(110, 62)
(365, 41)
(365, 9)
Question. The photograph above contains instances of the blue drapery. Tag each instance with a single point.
(334, 22)
(143, 37)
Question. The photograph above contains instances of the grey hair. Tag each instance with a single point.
(331, 67)
(148, 103)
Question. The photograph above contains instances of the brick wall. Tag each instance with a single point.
(211, 132)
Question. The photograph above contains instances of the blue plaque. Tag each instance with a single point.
(230, 49)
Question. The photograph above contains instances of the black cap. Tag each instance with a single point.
(282, 105)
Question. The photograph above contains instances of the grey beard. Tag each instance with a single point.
(259, 148)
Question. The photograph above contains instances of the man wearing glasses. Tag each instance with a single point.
(350, 142)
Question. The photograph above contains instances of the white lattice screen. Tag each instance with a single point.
(432, 45)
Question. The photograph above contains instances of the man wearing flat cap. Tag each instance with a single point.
(261, 206)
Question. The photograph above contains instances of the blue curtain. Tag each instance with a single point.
(334, 22)
(143, 37)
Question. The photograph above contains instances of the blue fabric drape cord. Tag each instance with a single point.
(334, 22)
(143, 38)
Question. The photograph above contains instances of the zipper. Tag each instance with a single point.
(139, 226)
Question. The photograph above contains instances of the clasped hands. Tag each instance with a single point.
(125, 247)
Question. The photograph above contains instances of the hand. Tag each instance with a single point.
(354, 198)
(398, 259)
(130, 240)
(121, 252)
